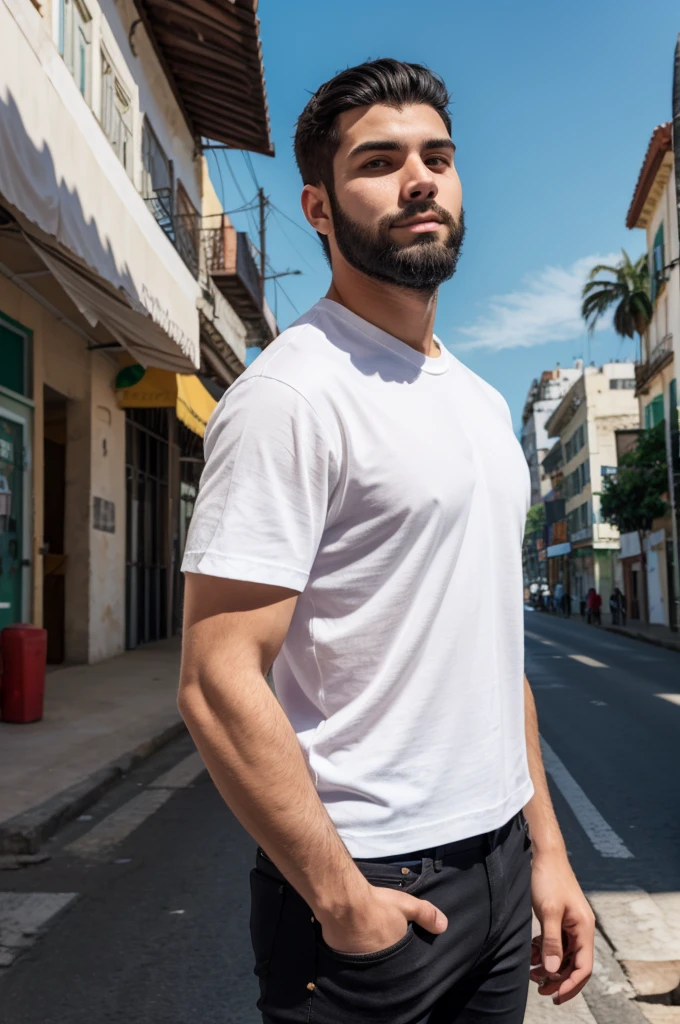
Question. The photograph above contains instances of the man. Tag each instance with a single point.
(359, 525)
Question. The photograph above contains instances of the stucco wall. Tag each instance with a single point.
(107, 550)
(95, 573)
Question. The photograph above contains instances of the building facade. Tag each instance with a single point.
(127, 300)
(653, 209)
(585, 422)
(542, 399)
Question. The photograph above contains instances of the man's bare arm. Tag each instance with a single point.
(562, 959)
(232, 632)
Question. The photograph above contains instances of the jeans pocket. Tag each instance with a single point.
(358, 958)
(363, 988)
(267, 896)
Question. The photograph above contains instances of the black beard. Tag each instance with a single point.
(423, 265)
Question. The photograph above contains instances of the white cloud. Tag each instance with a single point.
(547, 309)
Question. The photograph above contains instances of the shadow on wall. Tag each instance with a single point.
(29, 184)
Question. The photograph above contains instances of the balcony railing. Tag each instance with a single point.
(183, 229)
(658, 357)
(229, 259)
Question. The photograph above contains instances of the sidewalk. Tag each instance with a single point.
(659, 636)
(99, 721)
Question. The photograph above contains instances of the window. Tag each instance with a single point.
(74, 41)
(657, 263)
(116, 117)
(157, 184)
(673, 403)
(576, 442)
(621, 383)
(654, 412)
(606, 471)
(579, 518)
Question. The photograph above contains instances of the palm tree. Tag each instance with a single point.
(628, 291)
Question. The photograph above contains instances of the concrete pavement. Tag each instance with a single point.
(99, 721)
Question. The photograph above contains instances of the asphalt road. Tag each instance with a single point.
(620, 742)
(157, 932)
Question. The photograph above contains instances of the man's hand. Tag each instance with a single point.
(562, 956)
(379, 920)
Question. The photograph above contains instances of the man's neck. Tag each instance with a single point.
(404, 313)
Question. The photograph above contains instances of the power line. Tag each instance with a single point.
(233, 178)
(248, 161)
(290, 240)
(294, 222)
(278, 284)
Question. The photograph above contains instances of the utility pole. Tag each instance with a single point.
(263, 254)
(672, 434)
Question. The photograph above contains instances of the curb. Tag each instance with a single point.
(608, 994)
(25, 833)
(669, 645)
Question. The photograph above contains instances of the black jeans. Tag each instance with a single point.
(478, 970)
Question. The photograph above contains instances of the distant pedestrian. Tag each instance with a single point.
(593, 606)
(617, 606)
(566, 604)
(558, 598)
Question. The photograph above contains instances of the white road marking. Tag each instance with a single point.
(535, 636)
(181, 775)
(585, 660)
(22, 915)
(672, 698)
(118, 825)
(600, 703)
(603, 838)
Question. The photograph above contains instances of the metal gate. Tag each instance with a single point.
(147, 549)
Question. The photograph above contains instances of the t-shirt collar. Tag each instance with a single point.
(429, 364)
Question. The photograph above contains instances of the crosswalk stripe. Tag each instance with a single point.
(118, 825)
(601, 835)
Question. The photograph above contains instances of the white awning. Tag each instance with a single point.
(72, 196)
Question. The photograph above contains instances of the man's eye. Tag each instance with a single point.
(438, 160)
(378, 162)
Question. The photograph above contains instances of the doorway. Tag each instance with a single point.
(54, 498)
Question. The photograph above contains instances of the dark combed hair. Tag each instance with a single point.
(387, 81)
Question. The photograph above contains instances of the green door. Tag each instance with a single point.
(11, 519)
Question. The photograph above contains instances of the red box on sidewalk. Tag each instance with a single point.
(23, 649)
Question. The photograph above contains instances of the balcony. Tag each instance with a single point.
(183, 229)
(229, 260)
(659, 357)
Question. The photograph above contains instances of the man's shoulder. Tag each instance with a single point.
(297, 356)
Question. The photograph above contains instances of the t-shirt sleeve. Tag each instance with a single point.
(264, 492)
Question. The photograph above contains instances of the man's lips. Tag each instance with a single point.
(430, 223)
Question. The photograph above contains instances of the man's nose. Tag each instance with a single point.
(421, 183)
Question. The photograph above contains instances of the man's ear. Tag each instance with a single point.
(317, 208)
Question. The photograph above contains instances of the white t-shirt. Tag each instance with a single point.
(388, 488)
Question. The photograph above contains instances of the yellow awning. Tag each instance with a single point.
(160, 389)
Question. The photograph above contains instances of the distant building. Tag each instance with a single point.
(584, 426)
(543, 398)
(653, 208)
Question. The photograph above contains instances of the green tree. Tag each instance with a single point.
(626, 289)
(535, 519)
(636, 496)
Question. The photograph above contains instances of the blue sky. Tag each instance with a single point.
(553, 107)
